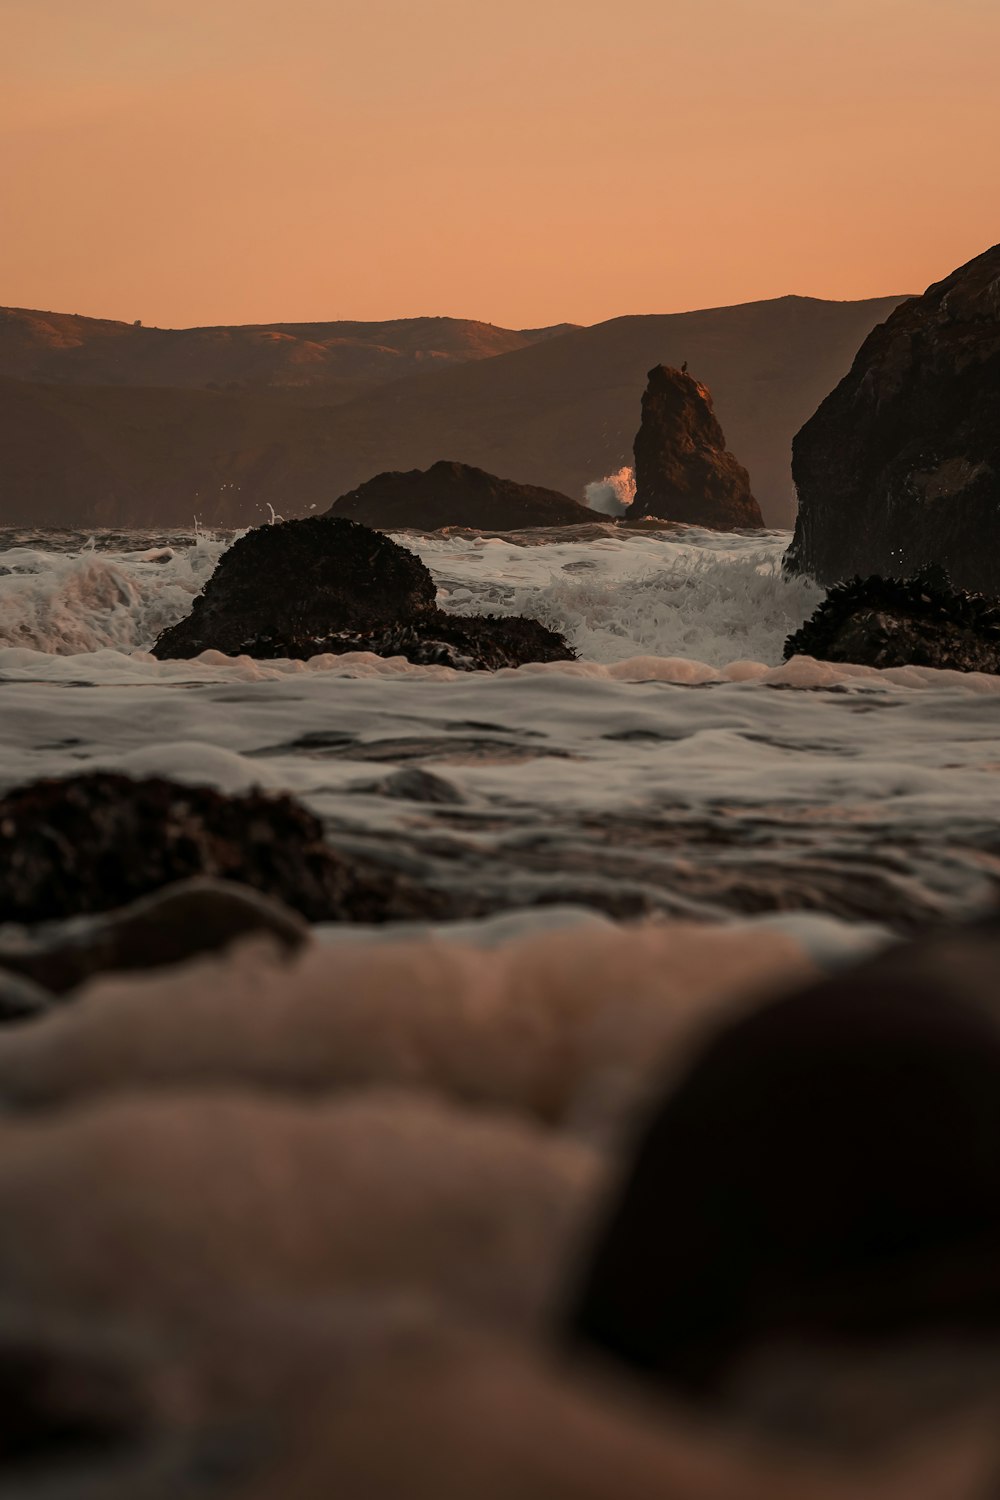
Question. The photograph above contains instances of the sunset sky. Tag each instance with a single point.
(519, 161)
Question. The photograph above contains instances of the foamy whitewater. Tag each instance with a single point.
(678, 768)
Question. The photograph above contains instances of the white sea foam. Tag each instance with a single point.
(572, 1026)
(271, 1198)
(708, 596)
(67, 602)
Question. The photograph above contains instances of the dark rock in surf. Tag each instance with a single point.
(95, 842)
(329, 585)
(280, 589)
(172, 925)
(887, 622)
(825, 1177)
(453, 494)
(900, 466)
(683, 469)
(414, 784)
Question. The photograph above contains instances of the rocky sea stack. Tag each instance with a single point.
(900, 466)
(683, 469)
(889, 622)
(453, 494)
(327, 584)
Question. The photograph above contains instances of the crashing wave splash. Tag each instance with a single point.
(614, 494)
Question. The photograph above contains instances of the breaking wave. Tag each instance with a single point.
(613, 494)
(81, 598)
(682, 593)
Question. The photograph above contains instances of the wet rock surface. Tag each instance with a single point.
(683, 469)
(95, 842)
(455, 494)
(329, 585)
(900, 466)
(176, 923)
(887, 622)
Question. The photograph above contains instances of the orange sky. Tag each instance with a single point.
(520, 161)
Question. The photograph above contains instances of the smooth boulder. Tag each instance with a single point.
(900, 466)
(889, 622)
(454, 494)
(824, 1177)
(683, 469)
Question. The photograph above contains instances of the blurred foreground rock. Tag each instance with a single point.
(826, 1176)
(174, 924)
(98, 841)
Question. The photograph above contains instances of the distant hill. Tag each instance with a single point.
(558, 411)
(318, 362)
(566, 412)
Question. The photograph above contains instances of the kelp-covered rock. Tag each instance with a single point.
(888, 622)
(95, 842)
(329, 585)
(469, 643)
(900, 465)
(683, 469)
(454, 494)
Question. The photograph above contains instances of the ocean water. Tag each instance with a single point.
(427, 1120)
(677, 769)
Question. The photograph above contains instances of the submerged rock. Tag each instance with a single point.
(413, 783)
(95, 842)
(453, 494)
(330, 585)
(683, 470)
(172, 925)
(888, 622)
(824, 1178)
(900, 466)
